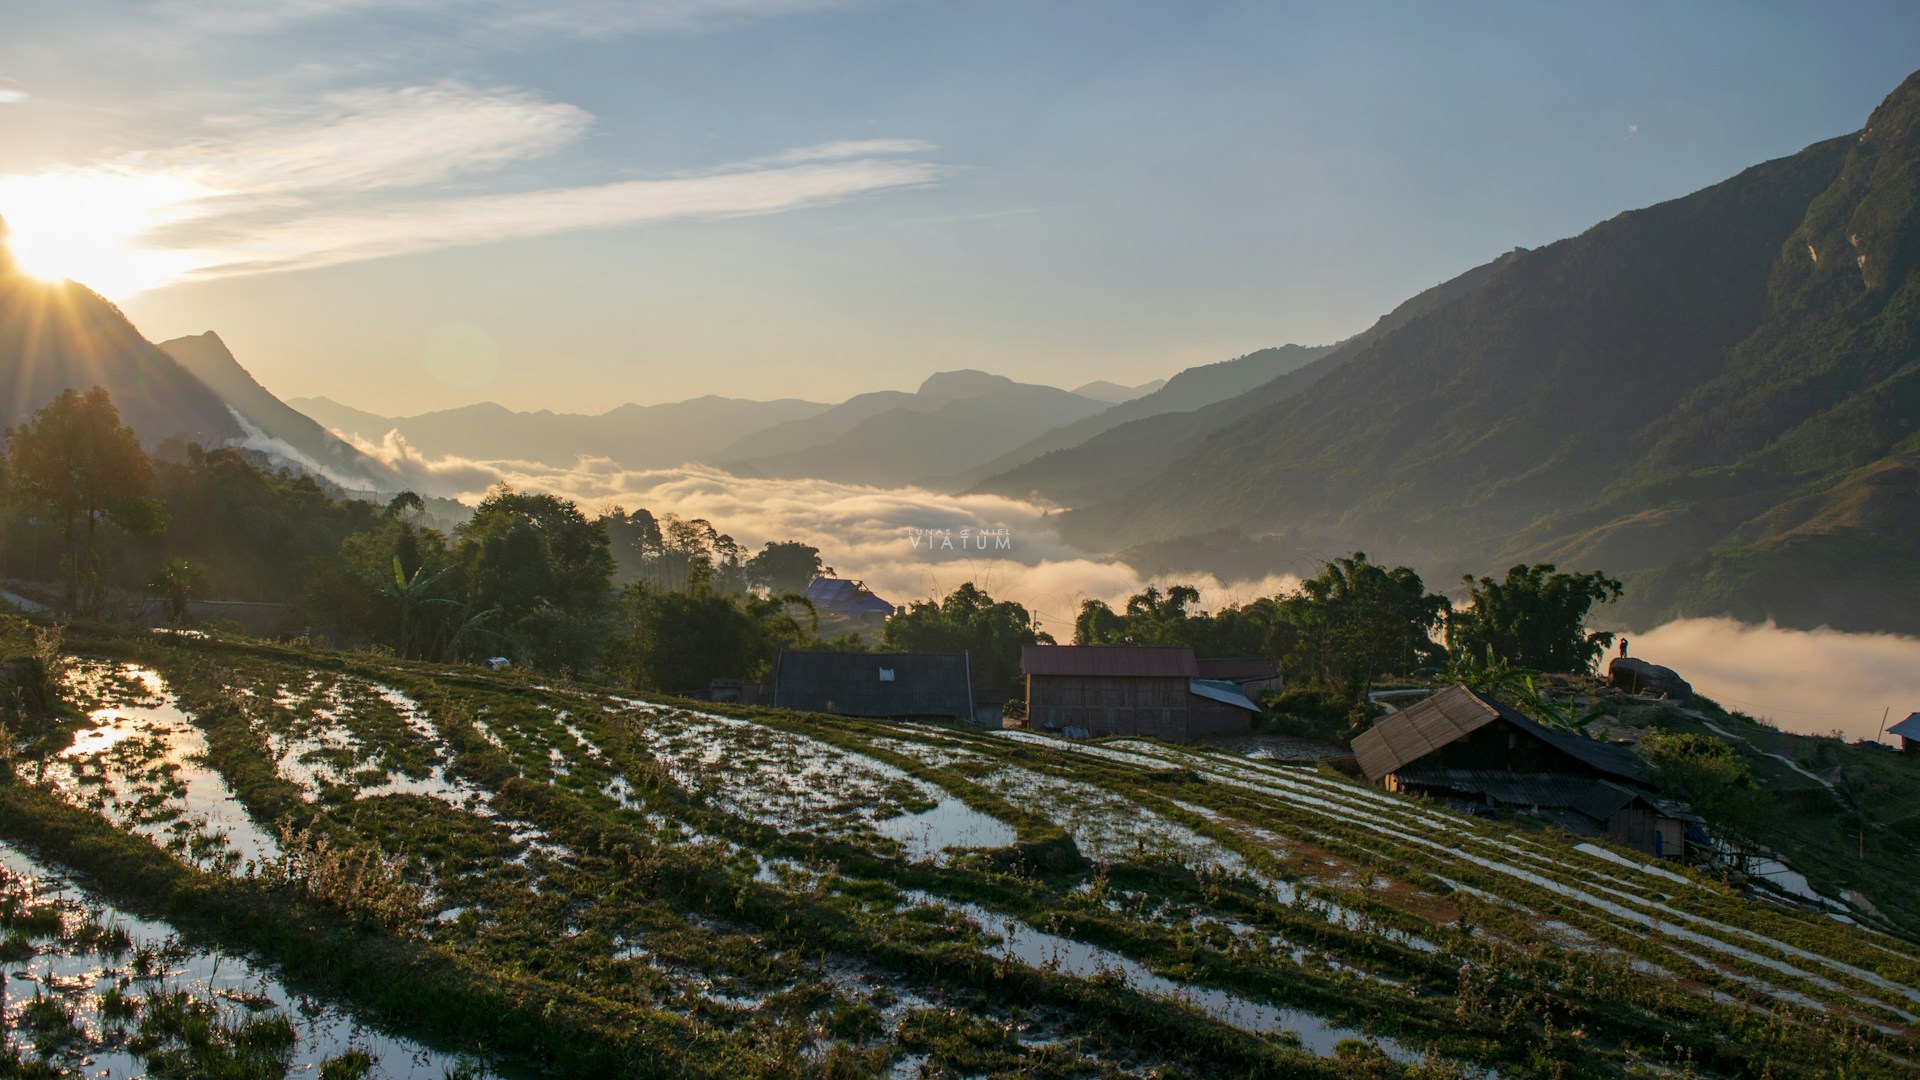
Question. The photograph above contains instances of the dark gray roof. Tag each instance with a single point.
(1597, 799)
(874, 684)
(1908, 728)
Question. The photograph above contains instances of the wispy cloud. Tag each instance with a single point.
(369, 139)
(847, 148)
(499, 18)
(363, 174)
(10, 96)
(332, 238)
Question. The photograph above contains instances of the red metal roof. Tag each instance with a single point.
(1102, 660)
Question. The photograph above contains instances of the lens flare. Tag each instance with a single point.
(88, 227)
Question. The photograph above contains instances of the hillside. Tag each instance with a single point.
(567, 879)
(1193, 388)
(64, 336)
(952, 424)
(1649, 397)
(1119, 458)
(636, 436)
(281, 431)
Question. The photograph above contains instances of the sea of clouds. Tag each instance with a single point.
(908, 544)
(905, 543)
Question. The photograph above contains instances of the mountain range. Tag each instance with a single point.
(955, 428)
(1716, 396)
(636, 436)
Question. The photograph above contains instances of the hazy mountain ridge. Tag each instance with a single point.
(1190, 389)
(637, 436)
(306, 444)
(1113, 392)
(1121, 457)
(952, 424)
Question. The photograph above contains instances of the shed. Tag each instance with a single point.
(1909, 732)
(890, 685)
(1461, 745)
(1130, 690)
(846, 599)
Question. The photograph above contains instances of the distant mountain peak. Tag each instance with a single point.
(965, 383)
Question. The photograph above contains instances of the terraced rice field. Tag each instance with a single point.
(468, 872)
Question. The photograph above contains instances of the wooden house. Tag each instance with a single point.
(1462, 746)
(928, 686)
(1157, 692)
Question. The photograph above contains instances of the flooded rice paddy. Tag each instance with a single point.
(770, 894)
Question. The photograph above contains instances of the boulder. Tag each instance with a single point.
(1636, 676)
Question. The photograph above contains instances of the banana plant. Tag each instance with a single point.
(411, 592)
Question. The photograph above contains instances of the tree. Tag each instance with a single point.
(1357, 620)
(1153, 617)
(785, 567)
(1719, 783)
(547, 570)
(176, 583)
(682, 640)
(970, 621)
(636, 544)
(76, 459)
(1536, 618)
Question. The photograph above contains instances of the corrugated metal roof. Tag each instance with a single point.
(1237, 667)
(842, 597)
(1418, 730)
(874, 684)
(1224, 691)
(1108, 660)
(1908, 728)
(1597, 799)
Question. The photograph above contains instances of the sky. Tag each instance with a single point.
(416, 204)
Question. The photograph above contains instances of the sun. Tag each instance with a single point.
(94, 228)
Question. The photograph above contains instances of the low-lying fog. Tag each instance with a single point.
(907, 544)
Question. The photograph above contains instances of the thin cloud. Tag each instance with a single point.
(331, 239)
(10, 96)
(500, 19)
(848, 148)
(355, 177)
(365, 140)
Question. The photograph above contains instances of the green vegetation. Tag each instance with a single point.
(969, 620)
(76, 461)
(1536, 618)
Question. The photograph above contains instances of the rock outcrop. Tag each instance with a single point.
(1636, 676)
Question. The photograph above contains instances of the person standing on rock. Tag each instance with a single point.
(1623, 646)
